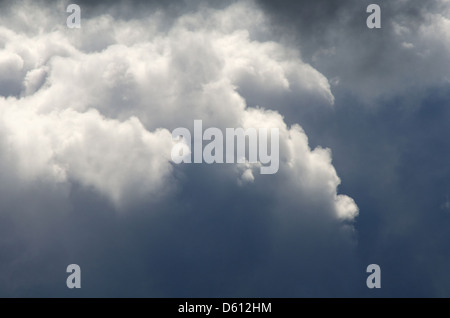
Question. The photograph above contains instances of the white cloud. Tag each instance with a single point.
(96, 106)
(308, 173)
(122, 160)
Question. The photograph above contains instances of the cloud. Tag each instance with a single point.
(392, 157)
(91, 111)
(163, 80)
(371, 64)
(120, 159)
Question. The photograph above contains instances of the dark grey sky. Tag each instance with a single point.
(94, 187)
(390, 149)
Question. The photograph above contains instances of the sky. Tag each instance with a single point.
(86, 121)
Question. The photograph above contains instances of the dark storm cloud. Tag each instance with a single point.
(396, 165)
(322, 23)
(332, 35)
(202, 243)
(393, 157)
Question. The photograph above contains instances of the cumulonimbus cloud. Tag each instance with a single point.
(97, 104)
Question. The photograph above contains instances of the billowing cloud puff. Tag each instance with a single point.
(94, 115)
(90, 111)
(121, 160)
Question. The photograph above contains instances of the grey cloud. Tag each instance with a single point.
(370, 63)
(392, 157)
